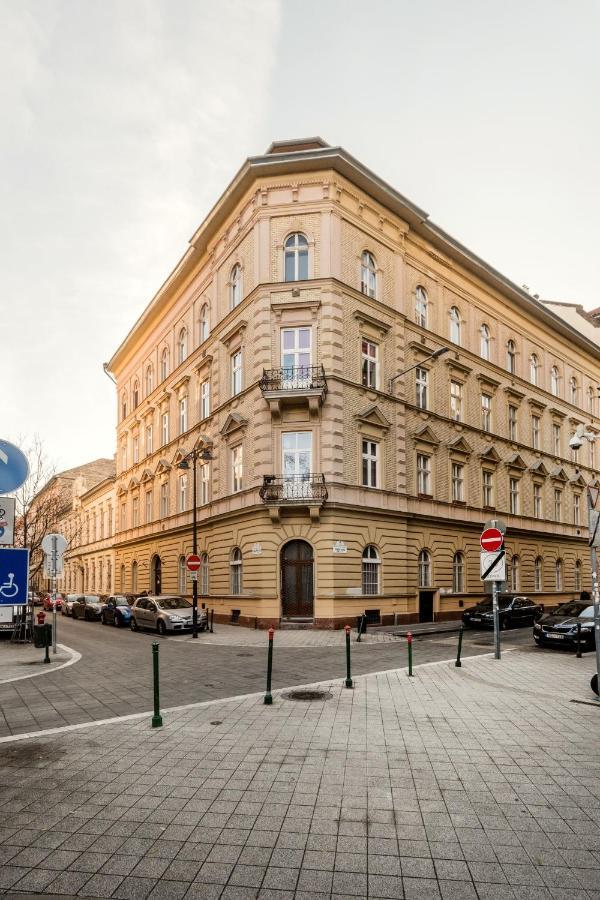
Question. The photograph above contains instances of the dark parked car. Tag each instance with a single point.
(513, 612)
(117, 610)
(87, 606)
(558, 627)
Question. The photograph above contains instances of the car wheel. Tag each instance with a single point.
(133, 624)
(201, 627)
(504, 624)
(73, 614)
(103, 620)
(117, 621)
(161, 627)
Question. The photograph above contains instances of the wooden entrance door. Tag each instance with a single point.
(156, 575)
(425, 606)
(297, 596)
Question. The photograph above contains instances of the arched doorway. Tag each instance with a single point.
(297, 593)
(156, 575)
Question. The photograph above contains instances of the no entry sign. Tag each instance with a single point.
(491, 539)
(193, 562)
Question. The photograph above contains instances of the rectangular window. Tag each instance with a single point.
(135, 512)
(370, 363)
(370, 464)
(205, 400)
(237, 468)
(423, 474)
(535, 432)
(456, 394)
(136, 449)
(592, 446)
(164, 420)
(512, 423)
(236, 373)
(486, 412)
(296, 455)
(148, 506)
(576, 509)
(422, 376)
(182, 493)
(204, 483)
(123, 517)
(487, 488)
(101, 522)
(164, 500)
(557, 505)
(537, 501)
(149, 447)
(514, 496)
(458, 483)
(296, 353)
(556, 441)
(123, 457)
(183, 415)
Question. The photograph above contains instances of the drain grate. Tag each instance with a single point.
(307, 696)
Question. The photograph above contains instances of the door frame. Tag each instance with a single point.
(280, 579)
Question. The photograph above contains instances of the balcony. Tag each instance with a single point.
(292, 385)
(294, 490)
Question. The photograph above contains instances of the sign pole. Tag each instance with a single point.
(54, 559)
(596, 597)
(496, 620)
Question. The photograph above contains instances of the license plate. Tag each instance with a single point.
(475, 618)
(555, 637)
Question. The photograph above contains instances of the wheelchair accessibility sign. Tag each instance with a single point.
(14, 572)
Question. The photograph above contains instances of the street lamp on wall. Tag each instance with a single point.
(204, 455)
(432, 356)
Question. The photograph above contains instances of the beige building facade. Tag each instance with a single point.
(90, 530)
(336, 483)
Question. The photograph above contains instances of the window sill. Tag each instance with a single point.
(425, 496)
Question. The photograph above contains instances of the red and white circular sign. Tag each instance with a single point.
(193, 562)
(491, 539)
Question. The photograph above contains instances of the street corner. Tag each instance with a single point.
(22, 660)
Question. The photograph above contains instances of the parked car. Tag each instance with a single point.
(87, 606)
(513, 612)
(117, 610)
(47, 602)
(163, 614)
(558, 627)
(67, 604)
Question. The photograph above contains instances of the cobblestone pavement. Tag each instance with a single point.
(233, 636)
(18, 661)
(114, 675)
(461, 784)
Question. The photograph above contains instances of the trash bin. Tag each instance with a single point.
(42, 635)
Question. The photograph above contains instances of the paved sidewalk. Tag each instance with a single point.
(235, 636)
(18, 661)
(461, 784)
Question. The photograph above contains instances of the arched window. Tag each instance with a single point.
(371, 568)
(235, 286)
(204, 323)
(296, 258)
(573, 386)
(538, 574)
(578, 575)
(533, 368)
(181, 573)
(559, 574)
(149, 381)
(421, 306)
(554, 381)
(511, 357)
(121, 580)
(424, 568)
(204, 574)
(164, 364)
(484, 343)
(591, 399)
(368, 274)
(235, 567)
(182, 346)
(458, 573)
(123, 405)
(514, 573)
(134, 577)
(136, 394)
(454, 325)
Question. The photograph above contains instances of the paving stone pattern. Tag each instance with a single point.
(456, 784)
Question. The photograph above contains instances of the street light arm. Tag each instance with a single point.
(435, 355)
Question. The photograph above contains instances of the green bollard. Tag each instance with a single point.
(458, 663)
(156, 718)
(268, 695)
(348, 672)
(409, 638)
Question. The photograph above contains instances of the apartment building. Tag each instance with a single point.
(344, 465)
(89, 560)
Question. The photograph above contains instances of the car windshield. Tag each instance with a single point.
(91, 599)
(487, 606)
(173, 603)
(119, 601)
(575, 609)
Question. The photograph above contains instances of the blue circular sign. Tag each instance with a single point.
(14, 468)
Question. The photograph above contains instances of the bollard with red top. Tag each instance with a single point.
(42, 634)
(409, 639)
(268, 695)
(348, 672)
(41, 617)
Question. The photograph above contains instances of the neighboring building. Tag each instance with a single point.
(90, 560)
(308, 287)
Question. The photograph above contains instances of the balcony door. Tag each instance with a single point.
(297, 593)
(296, 356)
(296, 455)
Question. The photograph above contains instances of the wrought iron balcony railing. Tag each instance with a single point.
(309, 488)
(294, 378)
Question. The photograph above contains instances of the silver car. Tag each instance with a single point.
(163, 614)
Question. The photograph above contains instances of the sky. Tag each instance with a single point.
(124, 120)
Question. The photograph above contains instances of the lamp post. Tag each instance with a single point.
(432, 356)
(205, 455)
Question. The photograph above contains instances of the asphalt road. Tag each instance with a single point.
(114, 675)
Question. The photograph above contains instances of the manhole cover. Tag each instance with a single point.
(307, 696)
(216, 722)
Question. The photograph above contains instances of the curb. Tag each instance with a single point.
(74, 657)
